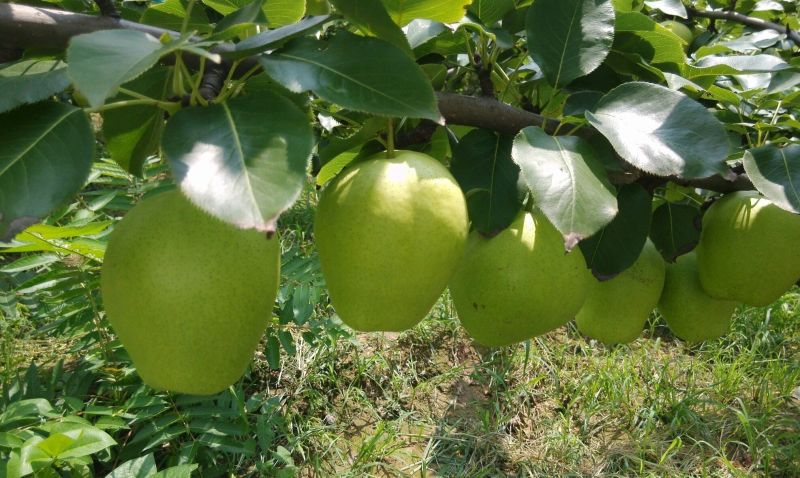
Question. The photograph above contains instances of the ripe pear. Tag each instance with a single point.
(518, 284)
(690, 313)
(390, 232)
(749, 249)
(188, 295)
(616, 310)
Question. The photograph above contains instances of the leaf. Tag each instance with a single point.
(358, 73)
(25, 409)
(7, 440)
(29, 81)
(483, 167)
(141, 467)
(775, 172)
(180, 471)
(675, 229)
(170, 15)
(248, 14)
(371, 16)
(273, 350)
(491, 11)
(566, 181)
(404, 11)
(668, 7)
(655, 47)
(46, 156)
(27, 263)
(661, 131)
(273, 38)
(617, 246)
(133, 133)
(243, 161)
(278, 12)
(101, 61)
(569, 38)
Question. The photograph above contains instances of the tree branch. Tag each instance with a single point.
(23, 26)
(754, 22)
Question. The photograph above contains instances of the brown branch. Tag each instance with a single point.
(753, 22)
(107, 8)
(23, 26)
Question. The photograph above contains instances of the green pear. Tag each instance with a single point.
(616, 310)
(679, 29)
(749, 249)
(389, 233)
(690, 313)
(518, 284)
(188, 295)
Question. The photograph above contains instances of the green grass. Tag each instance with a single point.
(429, 402)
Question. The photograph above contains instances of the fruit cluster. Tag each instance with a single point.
(392, 234)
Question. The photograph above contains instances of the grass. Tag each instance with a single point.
(429, 402)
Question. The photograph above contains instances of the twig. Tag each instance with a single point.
(108, 9)
(753, 22)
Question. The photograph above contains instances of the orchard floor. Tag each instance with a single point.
(429, 402)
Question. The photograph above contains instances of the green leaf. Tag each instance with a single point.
(171, 13)
(141, 467)
(491, 11)
(100, 62)
(675, 229)
(775, 172)
(617, 246)
(483, 167)
(661, 131)
(180, 471)
(273, 350)
(29, 81)
(46, 156)
(133, 133)
(655, 47)
(27, 263)
(668, 7)
(243, 161)
(372, 18)
(248, 14)
(567, 182)
(569, 38)
(358, 73)
(447, 11)
(278, 12)
(273, 38)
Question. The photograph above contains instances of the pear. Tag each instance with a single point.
(188, 295)
(518, 284)
(690, 313)
(749, 249)
(679, 29)
(616, 310)
(390, 233)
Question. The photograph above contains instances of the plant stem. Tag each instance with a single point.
(390, 139)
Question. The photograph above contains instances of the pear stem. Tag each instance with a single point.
(390, 139)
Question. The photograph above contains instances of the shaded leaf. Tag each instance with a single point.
(46, 155)
(569, 38)
(675, 229)
(273, 38)
(29, 81)
(248, 14)
(278, 12)
(180, 471)
(490, 11)
(662, 131)
(141, 467)
(372, 18)
(483, 167)
(243, 161)
(133, 133)
(567, 182)
(775, 172)
(171, 13)
(617, 246)
(363, 74)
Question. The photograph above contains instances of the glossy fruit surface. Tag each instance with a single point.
(518, 284)
(616, 310)
(188, 295)
(390, 233)
(690, 313)
(749, 249)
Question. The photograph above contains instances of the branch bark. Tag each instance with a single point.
(23, 26)
(745, 20)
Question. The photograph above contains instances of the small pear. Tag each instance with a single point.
(749, 249)
(518, 284)
(690, 313)
(390, 232)
(616, 310)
